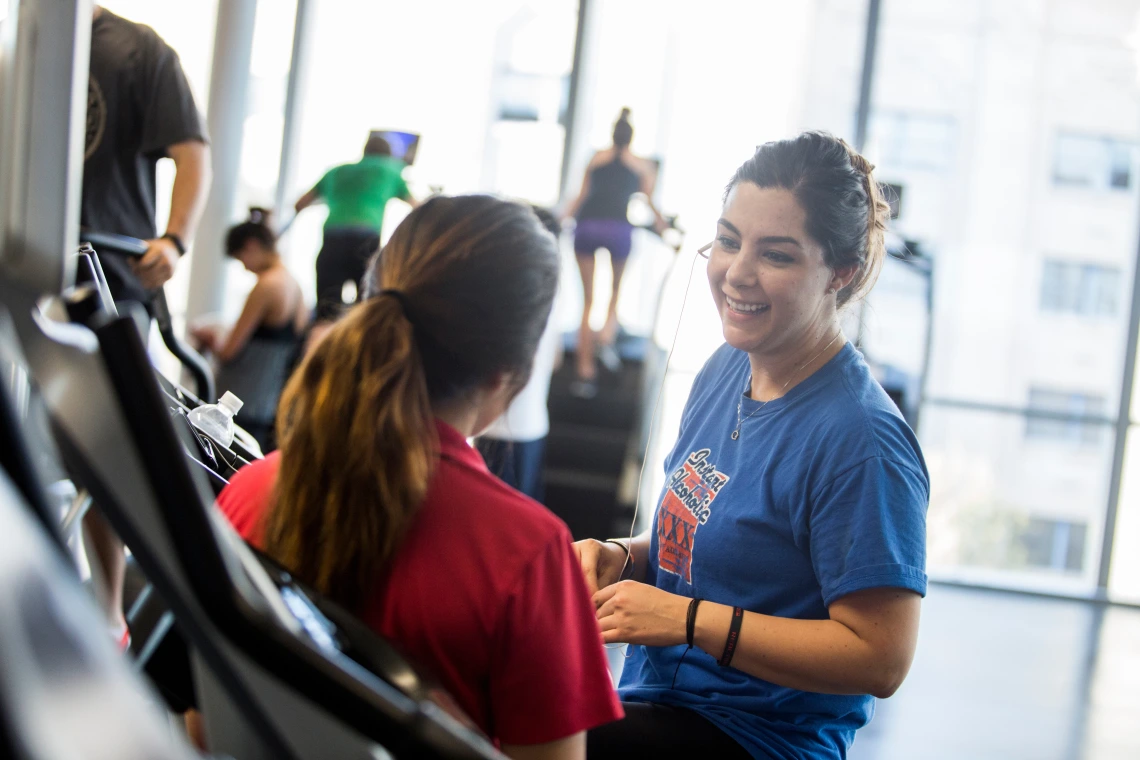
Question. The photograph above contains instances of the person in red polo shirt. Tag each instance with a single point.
(376, 499)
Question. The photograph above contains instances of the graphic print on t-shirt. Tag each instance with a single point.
(686, 506)
(96, 118)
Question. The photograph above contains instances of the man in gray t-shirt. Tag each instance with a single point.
(139, 110)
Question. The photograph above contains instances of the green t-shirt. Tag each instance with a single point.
(356, 194)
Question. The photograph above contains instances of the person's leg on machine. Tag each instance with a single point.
(619, 242)
(329, 272)
(608, 337)
(108, 562)
(661, 732)
(529, 458)
(586, 367)
(343, 258)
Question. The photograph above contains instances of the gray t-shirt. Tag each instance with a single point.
(138, 104)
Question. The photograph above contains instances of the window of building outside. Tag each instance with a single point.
(1089, 290)
(1072, 427)
(914, 140)
(1097, 163)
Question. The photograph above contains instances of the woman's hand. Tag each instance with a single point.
(637, 613)
(205, 337)
(601, 562)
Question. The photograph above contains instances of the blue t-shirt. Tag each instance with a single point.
(824, 494)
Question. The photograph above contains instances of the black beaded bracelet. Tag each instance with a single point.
(691, 620)
(733, 637)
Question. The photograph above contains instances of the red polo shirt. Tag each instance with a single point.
(486, 591)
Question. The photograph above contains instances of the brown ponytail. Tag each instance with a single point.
(355, 432)
(460, 294)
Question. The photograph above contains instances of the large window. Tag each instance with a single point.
(1023, 376)
(1098, 163)
(482, 83)
(919, 141)
(1064, 417)
(1091, 290)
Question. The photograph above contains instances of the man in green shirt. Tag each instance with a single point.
(356, 196)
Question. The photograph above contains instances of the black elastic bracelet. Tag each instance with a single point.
(628, 556)
(733, 637)
(691, 620)
(177, 242)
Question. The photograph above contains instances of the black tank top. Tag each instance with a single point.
(611, 185)
(286, 332)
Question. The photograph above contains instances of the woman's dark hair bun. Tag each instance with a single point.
(259, 215)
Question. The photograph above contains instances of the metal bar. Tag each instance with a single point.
(140, 602)
(863, 115)
(225, 117)
(572, 95)
(79, 506)
(1020, 411)
(1123, 422)
(870, 42)
(161, 628)
(1096, 599)
(291, 130)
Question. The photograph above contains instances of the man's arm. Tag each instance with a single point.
(187, 198)
(306, 200)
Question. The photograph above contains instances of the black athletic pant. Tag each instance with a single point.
(343, 258)
(661, 732)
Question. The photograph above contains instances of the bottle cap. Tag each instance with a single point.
(231, 402)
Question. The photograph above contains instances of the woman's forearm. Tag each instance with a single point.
(826, 656)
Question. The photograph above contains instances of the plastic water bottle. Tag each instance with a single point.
(217, 420)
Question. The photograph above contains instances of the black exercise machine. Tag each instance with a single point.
(195, 364)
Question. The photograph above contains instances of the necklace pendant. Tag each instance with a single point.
(735, 434)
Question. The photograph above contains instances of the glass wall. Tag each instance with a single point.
(486, 91)
(1009, 130)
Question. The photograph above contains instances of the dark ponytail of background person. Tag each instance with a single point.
(257, 227)
(835, 185)
(459, 295)
(623, 130)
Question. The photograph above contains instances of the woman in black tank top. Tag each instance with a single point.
(612, 177)
(255, 357)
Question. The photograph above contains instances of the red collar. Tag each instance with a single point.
(453, 446)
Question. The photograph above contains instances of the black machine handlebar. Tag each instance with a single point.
(194, 362)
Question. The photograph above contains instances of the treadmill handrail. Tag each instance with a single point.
(194, 362)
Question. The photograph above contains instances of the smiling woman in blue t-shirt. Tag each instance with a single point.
(788, 547)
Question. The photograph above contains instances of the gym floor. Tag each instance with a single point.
(1003, 676)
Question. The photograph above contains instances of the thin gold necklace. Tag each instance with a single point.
(739, 421)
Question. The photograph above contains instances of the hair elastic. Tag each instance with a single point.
(400, 298)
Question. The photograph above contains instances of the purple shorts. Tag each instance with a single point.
(615, 235)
